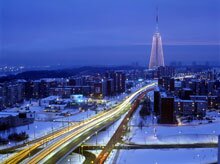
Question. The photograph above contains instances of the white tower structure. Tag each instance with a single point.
(156, 57)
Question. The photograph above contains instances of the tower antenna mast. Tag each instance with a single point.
(157, 19)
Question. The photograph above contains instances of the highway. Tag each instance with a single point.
(121, 130)
(75, 133)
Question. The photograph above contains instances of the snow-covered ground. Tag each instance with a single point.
(5, 156)
(141, 137)
(95, 152)
(78, 117)
(34, 130)
(153, 133)
(74, 158)
(202, 133)
(166, 156)
(112, 157)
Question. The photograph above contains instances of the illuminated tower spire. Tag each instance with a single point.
(156, 57)
(157, 20)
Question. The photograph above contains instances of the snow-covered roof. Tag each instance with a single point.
(163, 94)
(50, 98)
(187, 89)
(198, 96)
(7, 114)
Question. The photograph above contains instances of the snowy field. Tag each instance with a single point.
(74, 158)
(165, 156)
(34, 130)
(204, 133)
(148, 138)
(95, 152)
(78, 117)
(153, 133)
(5, 156)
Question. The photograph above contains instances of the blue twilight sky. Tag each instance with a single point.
(111, 32)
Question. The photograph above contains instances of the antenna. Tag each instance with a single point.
(157, 19)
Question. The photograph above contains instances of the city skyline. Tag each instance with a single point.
(109, 81)
(77, 32)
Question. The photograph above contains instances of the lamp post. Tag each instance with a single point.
(35, 127)
(9, 143)
(68, 123)
(96, 141)
(219, 149)
(29, 152)
(52, 130)
(82, 150)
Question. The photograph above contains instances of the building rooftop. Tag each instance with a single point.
(187, 89)
(7, 114)
(50, 98)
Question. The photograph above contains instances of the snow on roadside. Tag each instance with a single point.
(105, 135)
(78, 117)
(34, 130)
(95, 152)
(153, 133)
(111, 157)
(74, 158)
(168, 156)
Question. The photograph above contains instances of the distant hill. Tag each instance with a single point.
(62, 73)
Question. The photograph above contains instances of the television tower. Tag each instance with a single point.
(156, 57)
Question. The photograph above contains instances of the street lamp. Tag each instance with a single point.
(29, 153)
(9, 143)
(82, 150)
(96, 141)
(69, 160)
(35, 127)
